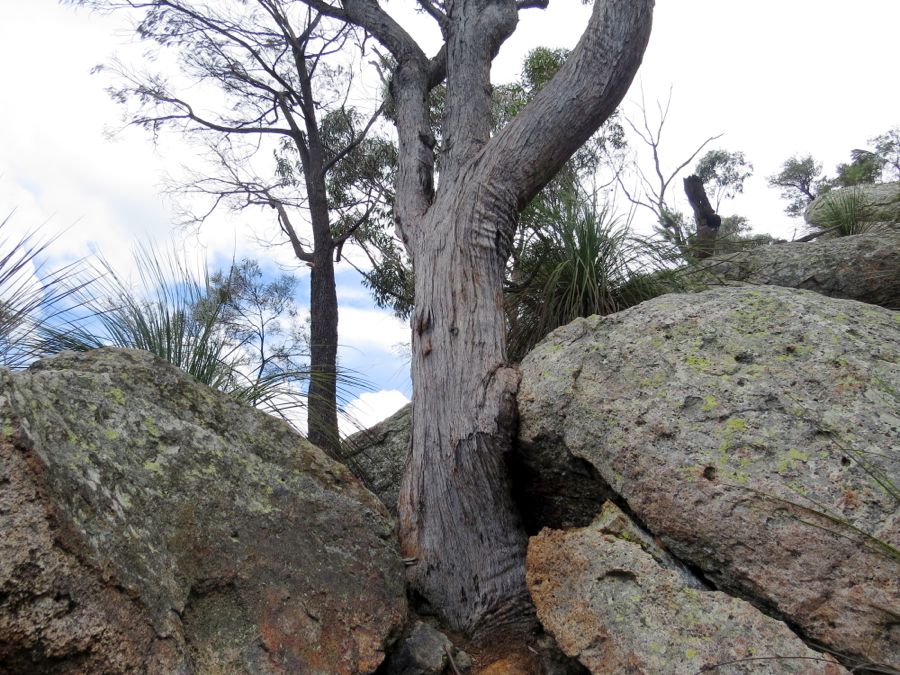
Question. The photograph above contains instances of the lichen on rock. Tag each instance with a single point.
(754, 430)
(232, 541)
(612, 606)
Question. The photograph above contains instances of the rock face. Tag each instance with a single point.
(882, 203)
(377, 455)
(755, 432)
(150, 524)
(614, 608)
(864, 267)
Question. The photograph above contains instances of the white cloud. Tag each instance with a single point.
(369, 409)
(365, 329)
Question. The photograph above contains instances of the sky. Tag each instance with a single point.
(776, 77)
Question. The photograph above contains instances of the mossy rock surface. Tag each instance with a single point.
(237, 545)
(756, 432)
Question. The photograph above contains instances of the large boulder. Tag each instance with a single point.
(755, 432)
(864, 267)
(881, 202)
(151, 524)
(611, 605)
(378, 455)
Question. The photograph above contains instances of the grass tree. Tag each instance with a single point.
(233, 330)
(583, 261)
(29, 292)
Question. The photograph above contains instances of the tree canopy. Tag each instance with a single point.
(723, 174)
(799, 180)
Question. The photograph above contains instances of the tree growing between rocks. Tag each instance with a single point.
(459, 528)
(391, 277)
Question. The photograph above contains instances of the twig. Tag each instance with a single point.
(450, 659)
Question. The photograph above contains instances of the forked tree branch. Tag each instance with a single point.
(529, 151)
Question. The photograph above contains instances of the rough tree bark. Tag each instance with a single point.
(705, 217)
(458, 525)
(322, 426)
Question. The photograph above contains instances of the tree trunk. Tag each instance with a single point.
(459, 528)
(322, 422)
(707, 220)
(457, 516)
(322, 426)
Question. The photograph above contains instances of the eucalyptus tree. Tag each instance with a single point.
(723, 174)
(800, 181)
(580, 180)
(459, 528)
(264, 87)
(887, 147)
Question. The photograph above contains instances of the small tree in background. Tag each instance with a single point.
(800, 181)
(881, 164)
(650, 189)
(865, 168)
(260, 321)
(270, 75)
(887, 148)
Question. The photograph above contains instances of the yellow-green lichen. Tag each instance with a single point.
(151, 427)
(726, 456)
(709, 402)
(698, 362)
(790, 459)
(690, 473)
(654, 380)
(117, 395)
(735, 424)
(153, 466)
(735, 477)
